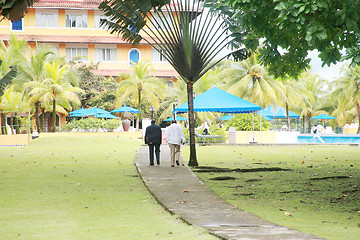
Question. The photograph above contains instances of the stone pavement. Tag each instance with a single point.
(182, 193)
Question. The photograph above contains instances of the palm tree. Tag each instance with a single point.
(11, 55)
(11, 102)
(184, 32)
(251, 81)
(140, 85)
(347, 93)
(34, 71)
(58, 88)
(293, 97)
(313, 95)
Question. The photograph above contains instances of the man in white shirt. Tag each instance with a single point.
(175, 137)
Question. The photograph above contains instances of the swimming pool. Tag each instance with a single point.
(329, 138)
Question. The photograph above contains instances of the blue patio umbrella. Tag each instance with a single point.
(80, 110)
(178, 118)
(106, 115)
(94, 111)
(277, 112)
(323, 117)
(227, 117)
(217, 100)
(126, 109)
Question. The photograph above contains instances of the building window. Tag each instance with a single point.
(47, 20)
(157, 56)
(17, 26)
(76, 21)
(105, 54)
(79, 54)
(162, 22)
(134, 56)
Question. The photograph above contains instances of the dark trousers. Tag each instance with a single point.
(157, 152)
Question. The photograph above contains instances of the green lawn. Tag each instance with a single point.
(320, 195)
(81, 187)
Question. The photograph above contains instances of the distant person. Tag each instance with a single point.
(153, 135)
(314, 129)
(175, 137)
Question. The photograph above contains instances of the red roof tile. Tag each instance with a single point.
(70, 39)
(117, 72)
(86, 4)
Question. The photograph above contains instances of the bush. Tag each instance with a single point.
(92, 124)
(244, 122)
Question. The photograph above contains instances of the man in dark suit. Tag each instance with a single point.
(153, 136)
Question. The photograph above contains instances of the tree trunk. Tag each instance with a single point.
(287, 116)
(138, 119)
(16, 124)
(37, 119)
(358, 115)
(3, 124)
(193, 160)
(303, 122)
(309, 122)
(42, 119)
(53, 127)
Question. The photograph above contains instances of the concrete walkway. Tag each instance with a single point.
(182, 193)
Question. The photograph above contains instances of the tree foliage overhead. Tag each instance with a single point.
(14, 9)
(288, 29)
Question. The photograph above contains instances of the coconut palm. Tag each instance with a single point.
(313, 95)
(34, 71)
(347, 93)
(140, 85)
(251, 81)
(58, 88)
(11, 101)
(11, 55)
(184, 32)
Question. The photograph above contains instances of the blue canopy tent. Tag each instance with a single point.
(78, 111)
(217, 100)
(86, 112)
(178, 118)
(94, 111)
(227, 117)
(277, 112)
(269, 119)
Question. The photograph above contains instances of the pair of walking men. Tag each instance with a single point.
(175, 137)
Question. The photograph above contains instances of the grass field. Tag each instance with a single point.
(81, 187)
(314, 189)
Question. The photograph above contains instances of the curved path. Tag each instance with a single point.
(182, 193)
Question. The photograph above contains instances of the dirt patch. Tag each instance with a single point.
(207, 169)
(222, 178)
(332, 177)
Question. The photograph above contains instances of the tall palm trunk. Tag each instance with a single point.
(309, 122)
(37, 119)
(193, 159)
(3, 124)
(16, 121)
(42, 119)
(139, 115)
(53, 127)
(358, 115)
(287, 116)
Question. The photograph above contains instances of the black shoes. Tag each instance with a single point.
(158, 162)
(177, 162)
(151, 164)
(172, 165)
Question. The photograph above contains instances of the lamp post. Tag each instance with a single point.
(174, 105)
(152, 109)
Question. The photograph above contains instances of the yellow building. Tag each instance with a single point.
(72, 29)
